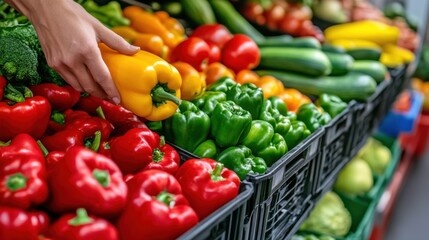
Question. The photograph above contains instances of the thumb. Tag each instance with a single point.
(116, 42)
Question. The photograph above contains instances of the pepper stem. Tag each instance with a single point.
(100, 112)
(16, 182)
(96, 142)
(216, 173)
(4, 144)
(58, 117)
(44, 150)
(157, 155)
(161, 141)
(102, 176)
(13, 94)
(159, 95)
(166, 198)
(81, 218)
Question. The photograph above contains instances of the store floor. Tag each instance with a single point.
(410, 216)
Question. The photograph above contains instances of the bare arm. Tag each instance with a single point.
(69, 37)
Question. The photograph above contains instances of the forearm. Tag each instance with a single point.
(34, 9)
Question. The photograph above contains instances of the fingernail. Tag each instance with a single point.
(136, 47)
(116, 100)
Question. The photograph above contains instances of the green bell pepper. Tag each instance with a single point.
(331, 104)
(222, 85)
(280, 123)
(312, 116)
(298, 132)
(248, 96)
(155, 126)
(206, 149)
(283, 125)
(259, 136)
(279, 105)
(188, 127)
(292, 116)
(240, 160)
(208, 101)
(229, 124)
(275, 150)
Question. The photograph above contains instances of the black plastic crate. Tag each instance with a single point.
(281, 193)
(367, 116)
(334, 154)
(226, 222)
(398, 83)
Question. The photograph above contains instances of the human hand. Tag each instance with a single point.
(69, 37)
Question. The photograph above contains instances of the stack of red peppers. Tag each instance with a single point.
(97, 172)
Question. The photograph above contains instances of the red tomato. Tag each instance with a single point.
(214, 52)
(193, 51)
(291, 25)
(253, 12)
(299, 11)
(240, 53)
(274, 15)
(309, 30)
(215, 33)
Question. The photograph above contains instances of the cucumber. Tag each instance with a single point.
(355, 86)
(332, 49)
(375, 69)
(365, 53)
(288, 41)
(228, 16)
(199, 11)
(300, 60)
(341, 63)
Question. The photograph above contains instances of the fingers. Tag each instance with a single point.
(88, 83)
(102, 77)
(116, 42)
(71, 79)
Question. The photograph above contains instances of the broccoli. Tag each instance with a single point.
(18, 62)
(50, 75)
(25, 33)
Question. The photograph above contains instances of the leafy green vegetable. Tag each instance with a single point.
(329, 217)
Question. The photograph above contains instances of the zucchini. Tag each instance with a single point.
(365, 53)
(288, 41)
(326, 48)
(375, 69)
(355, 86)
(228, 16)
(341, 63)
(199, 11)
(300, 60)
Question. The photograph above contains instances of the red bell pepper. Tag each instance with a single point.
(53, 158)
(80, 226)
(22, 113)
(57, 122)
(87, 125)
(16, 224)
(141, 148)
(3, 84)
(156, 208)
(22, 173)
(60, 97)
(63, 140)
(207, 185)
(89, 180)
(104, 149)
(121, 118)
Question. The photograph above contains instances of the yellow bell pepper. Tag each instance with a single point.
(368, 30)
(391, 60)
(148, 85)
(192, 83)
(406, 55)
(354, 43)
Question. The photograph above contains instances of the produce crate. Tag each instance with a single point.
(282, 194)
(226, 222)
(398, 79)
(334, 153)
(366, 117)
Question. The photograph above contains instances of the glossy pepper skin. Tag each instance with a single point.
(222, 85)
(312, 116)
(156, 209)
(89, 180)
(241, 160)
(270, 114)
(331, 104)
(23, 113)
(207, 185)
(229, 124)
(148, 85)
(274, 151)
(279, 105)
(208, 101)
(22, 173)
(188, 127)
(139, 149)
(87, 124)
(63, 140)
(259, 135)
(296, 134)
(206, 149)
(192, 84)
(247, 96)
(60, 97)
(80, 226)
(17, 224)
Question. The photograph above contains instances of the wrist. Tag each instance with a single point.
(35, 10)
